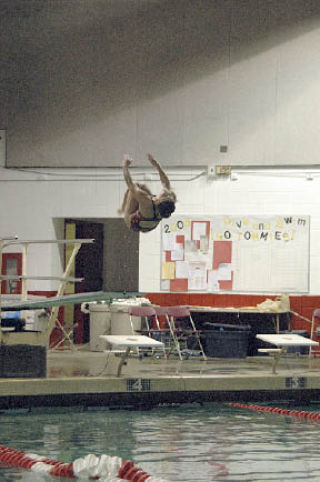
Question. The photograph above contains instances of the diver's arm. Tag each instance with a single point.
(137, 193)
(163, 177)
(126, 173)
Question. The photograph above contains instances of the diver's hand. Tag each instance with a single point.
(127, 160)
(152, 159)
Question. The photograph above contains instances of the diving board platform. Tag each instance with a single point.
(13, 304)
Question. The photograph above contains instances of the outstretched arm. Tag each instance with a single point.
(163, 177)
(139, 194)
(126, 173)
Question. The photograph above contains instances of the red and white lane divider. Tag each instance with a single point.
(291, 413)
(104, 468)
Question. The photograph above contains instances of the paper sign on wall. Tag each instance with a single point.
(235, 253)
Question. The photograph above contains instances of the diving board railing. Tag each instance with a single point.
(39, 338)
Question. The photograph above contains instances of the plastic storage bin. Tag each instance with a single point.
(100, 324)
(225, 341)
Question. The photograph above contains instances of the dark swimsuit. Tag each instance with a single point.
(137, 217)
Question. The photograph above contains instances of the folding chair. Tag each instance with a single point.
(183, 328)
(147, 315)
(314, 321)
(165, 333)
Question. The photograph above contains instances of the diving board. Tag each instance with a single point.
(8, 304)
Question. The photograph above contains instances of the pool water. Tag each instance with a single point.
(194, 443)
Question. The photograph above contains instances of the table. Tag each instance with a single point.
(128, 342)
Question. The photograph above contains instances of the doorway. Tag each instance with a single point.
(88, 265)
(111, 263)
(11, 265)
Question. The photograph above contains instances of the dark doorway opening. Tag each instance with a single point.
(111, 263)
(88, 265)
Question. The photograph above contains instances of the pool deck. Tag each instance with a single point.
(84, 378)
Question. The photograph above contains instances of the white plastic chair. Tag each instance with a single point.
(167, 335)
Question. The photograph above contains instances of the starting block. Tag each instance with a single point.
(128, 342)
(282, 342)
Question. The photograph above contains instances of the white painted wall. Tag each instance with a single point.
(30, 204)
(251, 194)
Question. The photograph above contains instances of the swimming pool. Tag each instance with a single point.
(181, 443)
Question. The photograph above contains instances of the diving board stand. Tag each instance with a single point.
(40, 338)
(128, 342)
(282, 342)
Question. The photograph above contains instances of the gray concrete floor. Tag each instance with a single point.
(85, 377)
(84, 363)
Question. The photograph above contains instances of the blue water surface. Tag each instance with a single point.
(211, 442)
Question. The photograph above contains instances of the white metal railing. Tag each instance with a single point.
(42, 337)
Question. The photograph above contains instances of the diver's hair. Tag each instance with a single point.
(166, 208)
(167, 195)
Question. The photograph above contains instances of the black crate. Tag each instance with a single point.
(23, 361)
(224, 343)
(259, 323)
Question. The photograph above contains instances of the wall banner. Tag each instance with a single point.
(235, 253)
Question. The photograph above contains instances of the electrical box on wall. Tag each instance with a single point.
(223, 170)
(218, 171)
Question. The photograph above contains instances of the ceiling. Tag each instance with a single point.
(70, 64)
